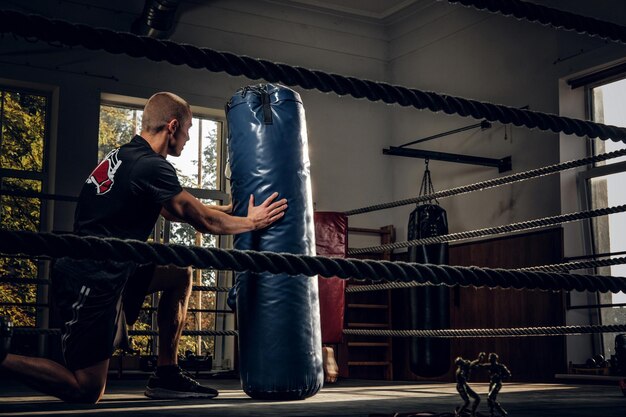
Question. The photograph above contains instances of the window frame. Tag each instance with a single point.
(594, 304)
(47, 178)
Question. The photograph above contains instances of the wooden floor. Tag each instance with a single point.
(125, 398)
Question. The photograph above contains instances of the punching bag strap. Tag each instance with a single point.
(427, 184)
(267, 108)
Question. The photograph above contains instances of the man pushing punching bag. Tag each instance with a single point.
(280, 346)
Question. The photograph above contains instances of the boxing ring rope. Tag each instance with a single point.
(525, 225)
(30, 243)
(54, 332)
(503, 332)
(439, 333)
(562, 267)
(491, 183)
(43, 281)
(65, 33)
(548, 16)
(570, 266)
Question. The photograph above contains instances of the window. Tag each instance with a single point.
(603, 187)
(199, 170)
(24, 131)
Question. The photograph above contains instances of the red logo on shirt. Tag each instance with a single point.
(103, 176)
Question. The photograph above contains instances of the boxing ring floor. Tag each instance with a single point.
(125, 398)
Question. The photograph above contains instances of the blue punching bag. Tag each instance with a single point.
(280, 346)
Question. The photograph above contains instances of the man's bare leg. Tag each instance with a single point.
(83, 385)
(168, 382)
(175, 284)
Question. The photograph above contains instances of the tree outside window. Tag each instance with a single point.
(23, 130)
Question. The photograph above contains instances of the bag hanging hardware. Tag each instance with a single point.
(427, 188)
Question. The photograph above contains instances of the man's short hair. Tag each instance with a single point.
(162, 108)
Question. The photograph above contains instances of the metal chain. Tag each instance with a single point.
(503, 332)
(65, 33)
(526, 225)
(491, 183)
(548, 16)
(77, 247)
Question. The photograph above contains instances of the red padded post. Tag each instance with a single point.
(331, 239)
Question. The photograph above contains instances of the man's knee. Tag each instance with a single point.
(171, 278)
(86, 394)
(184, 278)
(90, 383)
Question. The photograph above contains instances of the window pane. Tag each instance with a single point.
(118, 125)
(185, 234)
(22, 134)
(609, 107)
(610, 229)
(19, 213)
(202, 146)
(23, 124)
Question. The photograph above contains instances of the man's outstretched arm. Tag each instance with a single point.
(210, 219)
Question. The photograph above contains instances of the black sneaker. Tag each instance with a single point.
(177, 386)
(6, 331)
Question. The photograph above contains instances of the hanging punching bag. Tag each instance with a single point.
(429, 305)
(280, 346)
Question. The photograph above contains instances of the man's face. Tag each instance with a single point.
(179, 138)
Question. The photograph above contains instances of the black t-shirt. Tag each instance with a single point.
(123, 196)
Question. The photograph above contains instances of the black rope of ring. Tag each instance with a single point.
(24, 281)
(502, 332)
(525, 225)
(491, 183)
(30, 243)
(439, 333)
(65, 33)
(562, 267)
(548, 16)
(39, 331)
(43, 281)
(571, 266)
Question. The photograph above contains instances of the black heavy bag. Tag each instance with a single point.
(280, 346)
(430, 305)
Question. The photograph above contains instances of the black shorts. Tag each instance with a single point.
(96, 299)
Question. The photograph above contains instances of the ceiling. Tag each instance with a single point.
(373, 9)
